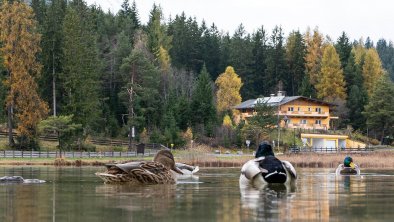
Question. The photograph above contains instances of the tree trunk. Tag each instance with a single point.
(10, 134)
(53, 79)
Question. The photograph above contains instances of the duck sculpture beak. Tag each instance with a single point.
(176, 169)
(352, 165)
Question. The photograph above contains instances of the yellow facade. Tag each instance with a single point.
(301, 113)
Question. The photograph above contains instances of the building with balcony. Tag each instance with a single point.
(292, 111)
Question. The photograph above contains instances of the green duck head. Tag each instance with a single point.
(264, 149)
(348, 162)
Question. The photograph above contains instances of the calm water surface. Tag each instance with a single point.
(76, 194)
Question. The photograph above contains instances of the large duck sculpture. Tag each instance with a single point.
(158, 171)
(266, 169)
(348, 167)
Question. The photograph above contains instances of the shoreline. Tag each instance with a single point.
(378, 159)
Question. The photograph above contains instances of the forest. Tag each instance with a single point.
(74, 69)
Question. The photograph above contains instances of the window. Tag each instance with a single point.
(290, 109)
(318, 109)
(303, 121)
(318, 122)
(309, 109)
(299, 109)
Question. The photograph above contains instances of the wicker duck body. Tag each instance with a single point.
(158, 171)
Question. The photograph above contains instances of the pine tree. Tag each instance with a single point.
(386, 54)
(277, 69)
(127, 19)
(211, 50)
(79, 79)
(343, 48)
(379, 111)
(372, 70)
(228, 93)
(352, 73)
(356, 101)
(258, 63)
(186, 43)
(203, 111)
(331, 84)
(295, 57)
(240, 56)
(157, 32)
(141, 93)
(20, 45)
(52, 42)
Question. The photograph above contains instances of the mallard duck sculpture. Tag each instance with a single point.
(158, 171)
(348, 167)
(266, 169)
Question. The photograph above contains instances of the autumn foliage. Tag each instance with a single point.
(229, 84)
(20, 45)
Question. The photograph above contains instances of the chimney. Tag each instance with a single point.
(281, 93)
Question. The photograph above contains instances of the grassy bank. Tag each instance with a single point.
(202, 156)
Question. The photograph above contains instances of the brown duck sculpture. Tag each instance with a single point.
(157, 171)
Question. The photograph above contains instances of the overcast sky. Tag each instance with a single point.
(358, 18)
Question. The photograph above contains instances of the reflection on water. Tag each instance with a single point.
(76, 194)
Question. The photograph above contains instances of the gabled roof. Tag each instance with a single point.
(276, 100)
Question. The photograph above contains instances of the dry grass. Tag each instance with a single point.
(201, 155)
(378, 159)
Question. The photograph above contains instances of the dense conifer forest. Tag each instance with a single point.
(175, 79)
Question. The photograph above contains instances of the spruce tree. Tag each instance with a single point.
(79, 79)
(379, 111)
(258, 63)
(295, 57)
(343, 48)
(202, 108)
(277, 69)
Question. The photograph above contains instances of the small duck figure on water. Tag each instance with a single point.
(158, 171)
(266, 169)
(348, 167)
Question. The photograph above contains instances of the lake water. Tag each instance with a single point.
(76, 194)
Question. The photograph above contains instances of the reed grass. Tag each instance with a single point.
(202, 156)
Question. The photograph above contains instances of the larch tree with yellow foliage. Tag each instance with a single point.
(372, 70)
(228, 94)
(331, 83)
(20, 45)
(314, 53)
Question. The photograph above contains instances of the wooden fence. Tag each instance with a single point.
(72, 154)
(329, 150)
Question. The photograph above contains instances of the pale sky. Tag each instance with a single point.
(358, 18)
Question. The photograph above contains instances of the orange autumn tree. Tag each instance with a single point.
(20, 45)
